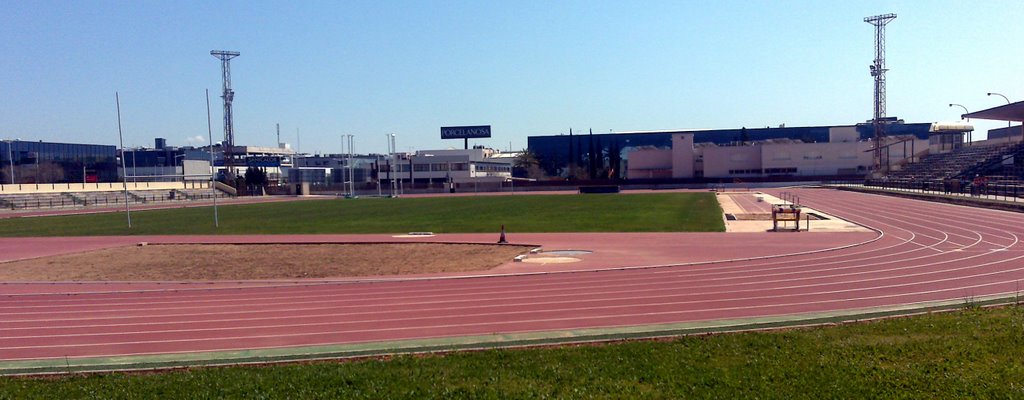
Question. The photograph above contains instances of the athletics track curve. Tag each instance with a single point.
(924, 254)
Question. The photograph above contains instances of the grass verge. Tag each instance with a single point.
(658, 212)
(972, 352)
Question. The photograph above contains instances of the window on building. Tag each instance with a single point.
(744, 171)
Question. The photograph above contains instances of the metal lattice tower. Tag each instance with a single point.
(878, 72)
(228, 95)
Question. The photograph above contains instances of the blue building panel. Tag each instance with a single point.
(98, 161)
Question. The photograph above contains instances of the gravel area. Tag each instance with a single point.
(268, 261)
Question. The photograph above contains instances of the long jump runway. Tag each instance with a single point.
(923, 255)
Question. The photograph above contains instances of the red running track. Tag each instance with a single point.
(927, 252)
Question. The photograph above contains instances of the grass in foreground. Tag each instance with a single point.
(659, 212)
(972, 353)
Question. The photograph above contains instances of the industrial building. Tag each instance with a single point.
(420, 168)
(458, 166)
(170, 163)
(48, 162)
(734, 153)
(333, 169)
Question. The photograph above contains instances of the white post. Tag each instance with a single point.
(342, 164)
(393, 150)
(124, 171)
(10, 157)
(351, 165)
(213, 169)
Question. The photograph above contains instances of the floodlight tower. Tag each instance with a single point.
(228, 95)
(878, 72)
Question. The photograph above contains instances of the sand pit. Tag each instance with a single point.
(550, 260)
(263, 261)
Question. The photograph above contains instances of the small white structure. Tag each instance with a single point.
(457, 166)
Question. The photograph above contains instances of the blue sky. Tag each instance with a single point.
(524, 67)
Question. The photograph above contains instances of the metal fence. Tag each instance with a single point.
(28, 202)
(1001, 191)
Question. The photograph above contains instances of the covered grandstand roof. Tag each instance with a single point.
(1009, 112)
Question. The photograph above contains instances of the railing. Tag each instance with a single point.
(68, 200)
(1006, 191)
(73, 198)
(39, 203)
(996, 160)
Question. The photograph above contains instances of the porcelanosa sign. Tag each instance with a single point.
(465, 132)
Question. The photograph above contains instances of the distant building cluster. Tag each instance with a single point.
(745, 153)
(38, 162)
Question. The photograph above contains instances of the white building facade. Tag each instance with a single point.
(843, 155)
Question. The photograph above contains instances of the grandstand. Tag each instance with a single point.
(982, 168)
(965, 162)
(27, 201)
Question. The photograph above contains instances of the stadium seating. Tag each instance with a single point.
(968, 160)
(24, 201)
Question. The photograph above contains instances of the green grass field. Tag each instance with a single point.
(658, 212)
(970, 353)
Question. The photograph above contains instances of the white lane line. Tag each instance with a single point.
(491, 324)
(701, 285)
(696, 301)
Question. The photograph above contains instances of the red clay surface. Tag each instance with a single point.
(749, 204)
(926, 252)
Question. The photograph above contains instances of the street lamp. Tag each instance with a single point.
(961, 106)
(997, 94)
(1008, 123)
(961, 117)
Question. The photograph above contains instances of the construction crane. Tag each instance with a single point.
(878, 72)
(228, 95)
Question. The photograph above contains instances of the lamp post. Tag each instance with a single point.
(1008, 123)
(961, 106)
(965, 112)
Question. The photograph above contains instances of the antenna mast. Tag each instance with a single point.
(878, 72)
(228, 95)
